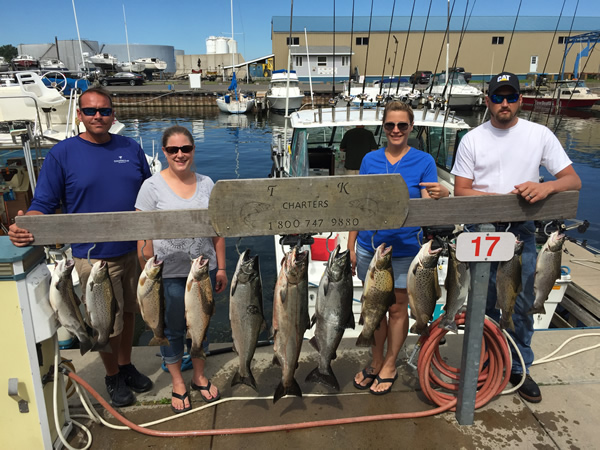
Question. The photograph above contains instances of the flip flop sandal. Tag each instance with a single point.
(366, 376)
(384, 380)
(181, 397)
(195, 387)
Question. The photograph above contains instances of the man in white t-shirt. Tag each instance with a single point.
(503, 156)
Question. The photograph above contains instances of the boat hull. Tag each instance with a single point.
(548, 102)
(277, 103)
(233, 106)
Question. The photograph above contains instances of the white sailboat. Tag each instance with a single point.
(234, 103)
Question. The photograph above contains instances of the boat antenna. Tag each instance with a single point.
(422, 42)
(405, 47)
(351, 42)
(537, 89)
(79, 37)
(387, 46)
(362, 100)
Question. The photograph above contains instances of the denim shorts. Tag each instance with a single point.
(400, 266)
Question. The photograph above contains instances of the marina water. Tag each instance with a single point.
(239, 146)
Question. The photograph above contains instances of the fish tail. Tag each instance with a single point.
(197, 352)
(157, 340)
(537, 310)
(364, 341)
(248, 381)
(101, 345)
(85, 346)
(281, 391)
(328, 380)
(419, 329)
(314, 343)
(448, 323)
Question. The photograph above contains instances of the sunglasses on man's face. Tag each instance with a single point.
(510, 98)
(92, 111)
(171, 150)
(389, 126)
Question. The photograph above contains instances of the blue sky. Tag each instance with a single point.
(186, 24)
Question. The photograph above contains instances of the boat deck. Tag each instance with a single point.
(566, 418)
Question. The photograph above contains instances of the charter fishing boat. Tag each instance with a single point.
(284, 85)
(571, 94)
(314, 151)
(460, 94)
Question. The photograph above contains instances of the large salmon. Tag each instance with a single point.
(508, 286)
(101, 304)
(290, 319)
(199, 305)
(547, 271)
(151, 300)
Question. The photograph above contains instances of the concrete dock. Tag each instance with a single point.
(565, 419)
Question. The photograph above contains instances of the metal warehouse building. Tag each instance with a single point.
(488, 45)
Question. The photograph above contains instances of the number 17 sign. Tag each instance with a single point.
(488, 247)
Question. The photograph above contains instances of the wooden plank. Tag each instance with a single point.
(117, 226)
(559, 322)
(583, 298)
(124, 226)
(308, 205)
(490, 208)
(577, 311)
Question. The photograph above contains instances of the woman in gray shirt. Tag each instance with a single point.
(179, 187)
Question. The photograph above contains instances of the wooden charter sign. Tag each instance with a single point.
(308, 205)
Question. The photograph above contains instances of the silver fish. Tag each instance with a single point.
(378, 295)
(508, 286)
(333, 314)
(199, 305)
(101, 304)
(547, 271)
(290, 319)
(423, 287)
(151, 300)
(457, 284)
(246, 315)
(65, 304)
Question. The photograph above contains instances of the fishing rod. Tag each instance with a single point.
(405, 46)
(333, 68)
(386, 51)
(422, 43)
(362, 95)
(445, 37)
(351, 43)
(537, 88)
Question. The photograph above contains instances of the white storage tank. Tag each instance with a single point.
(222, 46)
(211, 45)
(232, 46)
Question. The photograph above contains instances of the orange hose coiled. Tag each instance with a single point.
(494, 365)
(491, 383)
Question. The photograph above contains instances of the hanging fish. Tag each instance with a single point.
(547, 271)
(199, 305)
(508, 286)
(458, 279)
(151, 300)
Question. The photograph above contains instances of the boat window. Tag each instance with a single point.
(441, 143)
(299, 156)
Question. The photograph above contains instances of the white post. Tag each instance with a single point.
(312, 100)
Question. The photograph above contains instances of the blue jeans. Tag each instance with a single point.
(524, 231)
(175, 325)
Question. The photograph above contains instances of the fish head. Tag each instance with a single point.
(64, 267)
(247, 267)
(199, 267)
(428, 256)
(556, 241)
(338, 264)
(153, 268)
(296, 265)
(383, 257)
(99, 272)
(518, 247)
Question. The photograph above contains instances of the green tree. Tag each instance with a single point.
(8, 51)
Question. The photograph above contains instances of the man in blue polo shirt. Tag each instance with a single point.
(99, 172)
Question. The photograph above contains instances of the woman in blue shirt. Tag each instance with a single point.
(420, 175)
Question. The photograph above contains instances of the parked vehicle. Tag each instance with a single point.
(421, 77)
(129, 78)
(466, 75)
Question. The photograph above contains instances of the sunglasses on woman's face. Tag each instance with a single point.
(389, 126)
(171, 150)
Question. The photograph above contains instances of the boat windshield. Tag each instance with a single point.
(283, 83)
(457, 79)
(316, 149)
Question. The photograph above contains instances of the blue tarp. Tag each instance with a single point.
(233, 85)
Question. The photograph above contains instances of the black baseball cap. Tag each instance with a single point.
(504, 79)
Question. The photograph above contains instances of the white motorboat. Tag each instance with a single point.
(4, 65)
(375, 93)
(50, 117)
(131, 67)
(151, 64)
(24, 62)
(314, 151)
(104, 61)
(53, 65)
(572, 94)
(460, 94)
(280, 90)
